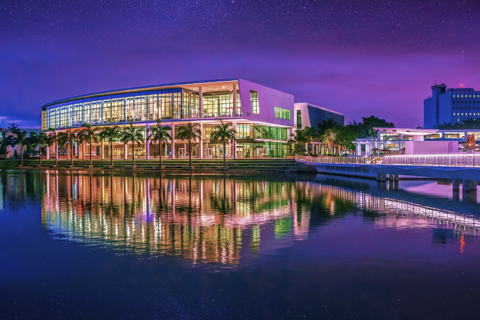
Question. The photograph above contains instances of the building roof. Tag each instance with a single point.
(318, 107)
(133, 90)
(408, 131)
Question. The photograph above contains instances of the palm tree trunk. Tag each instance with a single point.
(21, 150)
(40, 155)
(190, 152)
(71, 151)
(224, 161)
(111, 153)
(160, 153)
(91, 152)
(56, 153)
(133, 153)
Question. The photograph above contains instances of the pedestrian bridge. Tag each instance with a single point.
(463, 170)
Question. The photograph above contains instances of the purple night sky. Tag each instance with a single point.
(356, 57)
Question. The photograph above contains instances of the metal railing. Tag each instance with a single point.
(445, 160)
(333, 160)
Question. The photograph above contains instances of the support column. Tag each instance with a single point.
(358, 149)
(200, 144)
(381, 177)
(470, 191)
(47, 150)
(200, 102)
(147, 130)
(235, 140)
(125, 151)
(173, 141)
(234, 101)
(83, 150)
(102, 151)
(456, 190)
(399, 144)
(252, 136)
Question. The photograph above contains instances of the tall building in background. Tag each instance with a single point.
(452, 105)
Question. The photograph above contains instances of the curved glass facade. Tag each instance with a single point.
(173, 104)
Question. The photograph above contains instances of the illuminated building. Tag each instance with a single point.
(262, 117)
(452, 105)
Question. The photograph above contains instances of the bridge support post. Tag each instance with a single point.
(469, 191)
(456, 189)
(381, 179)
(393, 181)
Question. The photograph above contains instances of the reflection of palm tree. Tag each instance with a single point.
(223, 206)
(111, 189)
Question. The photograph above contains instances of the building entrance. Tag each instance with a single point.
(240, 153)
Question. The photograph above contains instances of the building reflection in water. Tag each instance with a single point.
(209, 219)
(167, 216)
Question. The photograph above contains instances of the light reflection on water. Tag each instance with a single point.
(198, 219)
(210, 219)
(97, 246)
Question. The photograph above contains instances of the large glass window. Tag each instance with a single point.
(239, 106)
(270, 133)
(282, 113)
(299, 119)
(190, 104)
(172, 105)
(118, 110)
(254, 101)
(243, 131)
(454, 135)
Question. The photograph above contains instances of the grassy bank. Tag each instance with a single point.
(176, 165)
(9, 164)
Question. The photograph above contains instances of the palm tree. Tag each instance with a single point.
(223, 132)
(53, 139)
(326, 124)
(90, 134)
(162, 135)
(134, 135)
(299, 139)
(110, 134)
(67, 138)
(190, 132)
(13, 128)
(329, 139)
(7, 140)
(310, 133)
(21, 140)
(40, 140)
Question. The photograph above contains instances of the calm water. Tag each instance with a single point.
(82, 246)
